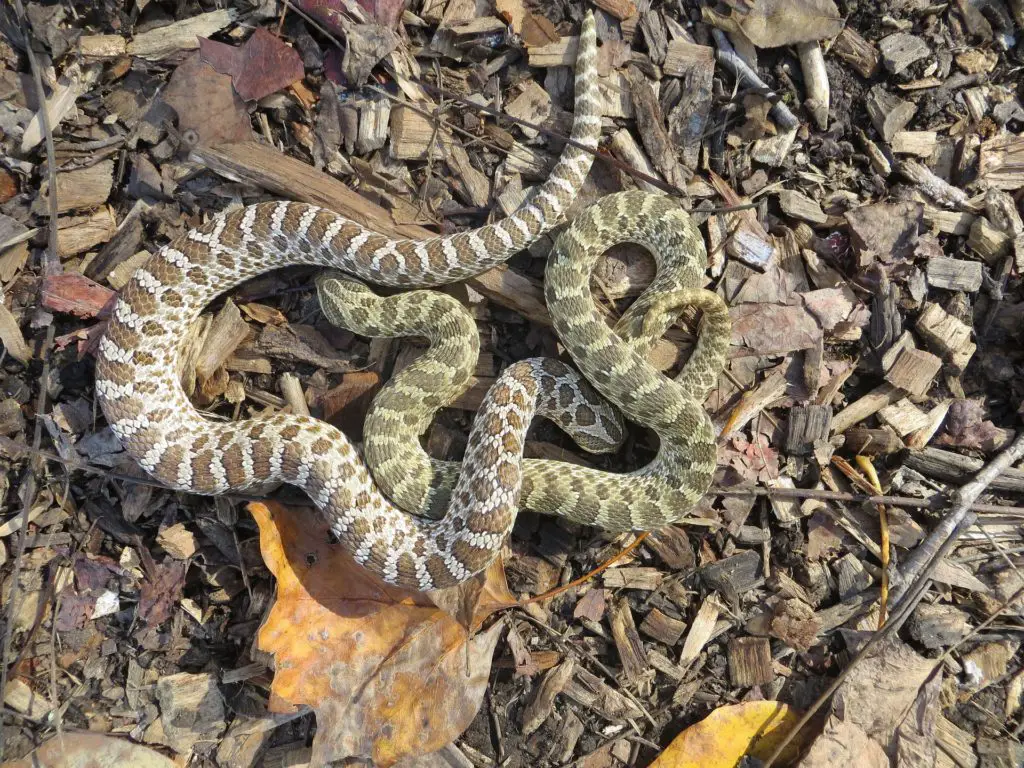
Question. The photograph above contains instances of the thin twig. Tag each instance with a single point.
(960, 516)
(53, 261)
(726, 55)
(28, 493)
(587, 576)
(938, 544)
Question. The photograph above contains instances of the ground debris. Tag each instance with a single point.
(856, 175)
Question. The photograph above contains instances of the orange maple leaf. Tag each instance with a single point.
(388, 673)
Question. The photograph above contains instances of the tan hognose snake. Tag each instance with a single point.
(141, 395)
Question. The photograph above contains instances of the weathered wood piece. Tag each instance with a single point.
(947, 335)
(913, 371)
(750, 662)
(901, 49)
(857, 52)
(888, 112)
(954, 274)
(662, 627)
(807, 424)
(627, 641)
(956, 468)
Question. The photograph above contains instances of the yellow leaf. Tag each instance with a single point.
(386, 671)
(725, 736)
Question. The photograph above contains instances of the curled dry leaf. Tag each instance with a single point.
(724, 737)
(91, 750)
(387, 672)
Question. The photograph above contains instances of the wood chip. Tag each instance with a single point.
(627, 641)
(228, 330)
(542, 704)
(1001, 162)
(750, 662)
(901, 49)
(191, 709)
(77, 234)
(590, 691)
(889, 113)
(867, 405)
(857, 52)
(913, 371)
(807, 424)
(701, 629)
(947, 335)
(633, 578)
(184, 35)
(954, 274)
(919, 143)
(904, 417)
(662, 627)
(988, 241)
(83, 188)
(799, 206)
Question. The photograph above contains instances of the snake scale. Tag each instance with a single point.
(139, 358)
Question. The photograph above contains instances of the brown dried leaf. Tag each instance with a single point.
(538, 31)
(775, 23)
(12, 337)
(263, 314)
(263, 65)
(967, 427)
(771, 329)
(334, 16)
(197, 91)
(388, 674)
(161, 590)
(879, 691)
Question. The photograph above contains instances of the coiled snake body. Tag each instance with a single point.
(140, 394)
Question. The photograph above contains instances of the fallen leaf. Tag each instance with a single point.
(366, 45)
(8, 186)
(724, 737)
(881, 689)
(263, 314)
(161, 590)
(775, 23)
(331, 13)
(387, 12)
(967, 427)
(842, 743)
(387, 672)
(12, 337)
(196, 91)
(91, 750)
(538, 31)
(263, 65)
(771, 329)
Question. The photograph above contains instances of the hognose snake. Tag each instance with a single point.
(138, 360)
